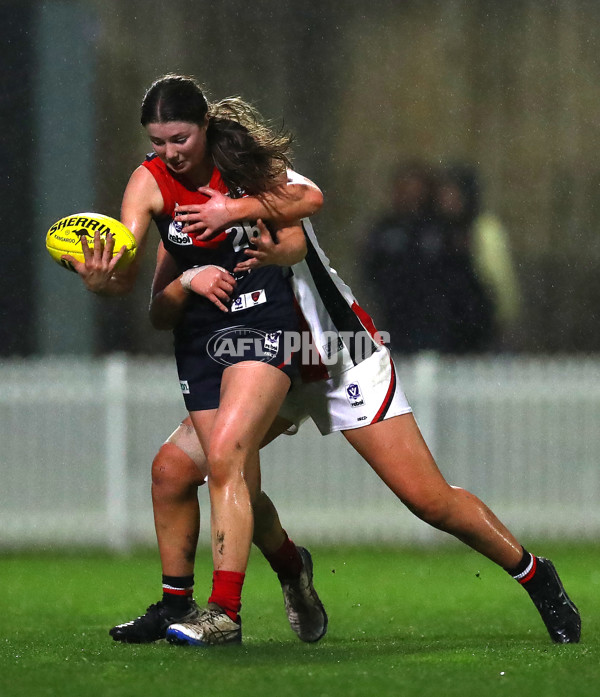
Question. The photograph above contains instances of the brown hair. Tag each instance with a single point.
(248, 152)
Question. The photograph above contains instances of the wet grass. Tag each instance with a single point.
(402, 622)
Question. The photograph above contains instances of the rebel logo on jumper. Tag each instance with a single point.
(177, 236)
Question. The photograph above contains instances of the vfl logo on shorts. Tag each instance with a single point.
(185, 388)
(354, 395)
(271, 343)
(247, 300)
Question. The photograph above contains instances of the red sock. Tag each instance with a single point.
(286, 562)
(227, 592)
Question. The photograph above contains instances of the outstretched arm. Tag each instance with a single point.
(294, 198)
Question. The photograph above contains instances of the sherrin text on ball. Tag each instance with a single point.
(64, 237)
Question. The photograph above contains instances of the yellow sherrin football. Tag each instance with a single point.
(64, 237)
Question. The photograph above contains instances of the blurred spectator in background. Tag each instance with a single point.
(481, 281)
(443, 267)
(392, 259)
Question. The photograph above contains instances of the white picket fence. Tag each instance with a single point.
(77, 437)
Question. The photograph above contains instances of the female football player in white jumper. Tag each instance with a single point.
(388, 439)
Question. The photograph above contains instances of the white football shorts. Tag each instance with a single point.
(365, 394)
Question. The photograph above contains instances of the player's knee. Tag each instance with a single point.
(225, 463)
(431, 508)
(173, 473)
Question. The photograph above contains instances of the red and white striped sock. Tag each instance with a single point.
(177, 590)
(526, 568)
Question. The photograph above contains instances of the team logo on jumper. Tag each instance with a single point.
(354, 395)
(176, 235)
(247, 300)
(185, 387)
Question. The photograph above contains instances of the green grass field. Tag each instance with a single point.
(438, 622)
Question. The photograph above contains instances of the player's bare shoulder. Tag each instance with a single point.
(142, 191)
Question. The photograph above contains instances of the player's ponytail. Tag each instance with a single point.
(249, 154)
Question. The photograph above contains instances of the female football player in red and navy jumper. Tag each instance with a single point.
(230, 339)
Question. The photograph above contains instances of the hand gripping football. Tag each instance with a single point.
(64, 237)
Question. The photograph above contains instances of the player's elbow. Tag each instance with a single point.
(159, 319)
(305, 191)
(313, 199)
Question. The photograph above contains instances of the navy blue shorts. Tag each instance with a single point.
(201, 363)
